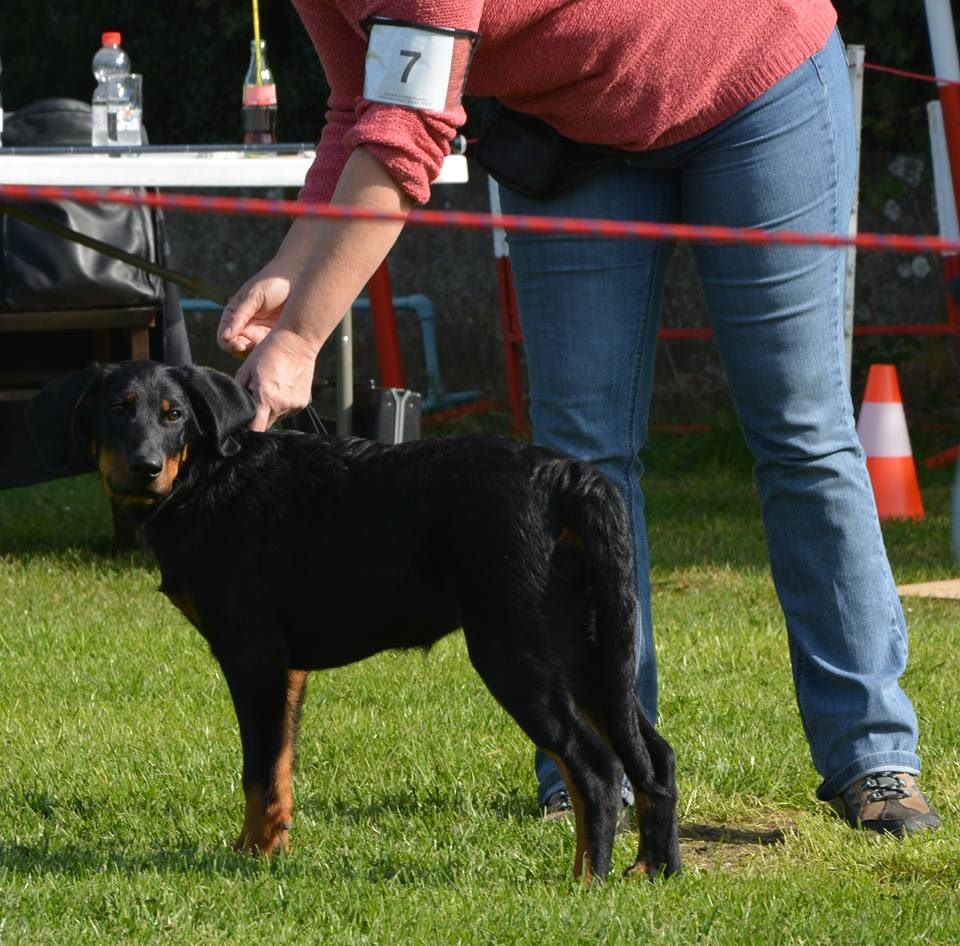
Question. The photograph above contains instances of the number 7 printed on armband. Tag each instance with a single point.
(414, 56)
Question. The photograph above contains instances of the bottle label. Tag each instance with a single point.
(129, 123)
(260, 95)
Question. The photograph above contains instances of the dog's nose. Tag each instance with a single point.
(143, 465)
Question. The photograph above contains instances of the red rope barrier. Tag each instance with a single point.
(571, 226)
(905, 74)
(698, 333)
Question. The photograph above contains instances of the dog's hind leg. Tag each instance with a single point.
(522, 684)
(656, 804)
(267, 697)
(649, 763)
(592, 776)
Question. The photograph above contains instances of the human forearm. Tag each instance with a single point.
(284, 314)
(330, 260)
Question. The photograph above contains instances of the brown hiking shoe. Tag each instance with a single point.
(887, 802)
(558, 806)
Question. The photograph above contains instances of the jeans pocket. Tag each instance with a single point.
(818, 59)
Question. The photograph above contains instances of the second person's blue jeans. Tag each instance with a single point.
(590, 312)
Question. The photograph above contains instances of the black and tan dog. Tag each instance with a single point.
(271, 544)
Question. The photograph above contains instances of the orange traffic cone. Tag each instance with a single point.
(882, 429)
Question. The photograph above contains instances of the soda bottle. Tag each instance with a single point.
(259, 98)
(110, 62)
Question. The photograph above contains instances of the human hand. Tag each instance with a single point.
(279, 374)
(252, 312)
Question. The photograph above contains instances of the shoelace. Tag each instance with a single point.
(561, 803)
(885, 785)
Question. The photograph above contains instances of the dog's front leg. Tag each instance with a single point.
(267, 697)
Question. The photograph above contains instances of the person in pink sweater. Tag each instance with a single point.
(734, 113)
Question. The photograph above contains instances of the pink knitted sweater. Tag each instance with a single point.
(632, 74)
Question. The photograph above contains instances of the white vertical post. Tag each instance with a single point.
(942, 182)
(943, 42)
(942, 119)
(855, 58)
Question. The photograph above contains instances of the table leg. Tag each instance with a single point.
(344, 374)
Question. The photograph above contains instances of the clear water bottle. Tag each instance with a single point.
(259, 98)
(110, 63)
(1, 110)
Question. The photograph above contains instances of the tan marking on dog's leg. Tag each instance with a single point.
(279, 810)
(582, 869)
(252, 836)
(186, 606)
(639, 866)
(268, 816)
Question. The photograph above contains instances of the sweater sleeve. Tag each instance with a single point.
(410, 143)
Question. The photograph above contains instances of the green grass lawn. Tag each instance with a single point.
(416, 820)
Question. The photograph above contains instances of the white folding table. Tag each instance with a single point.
(210, 166)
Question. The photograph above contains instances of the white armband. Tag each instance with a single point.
(415, 65)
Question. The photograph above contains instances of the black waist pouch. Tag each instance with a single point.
(532, 158)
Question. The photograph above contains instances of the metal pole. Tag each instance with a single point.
(344, 375)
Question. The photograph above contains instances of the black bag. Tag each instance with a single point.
(387, 415)
(40, 271)
(531, 157)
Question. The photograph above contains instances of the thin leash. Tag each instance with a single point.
(196, 287)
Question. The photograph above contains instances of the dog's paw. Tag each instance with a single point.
(255, 842)
(644, 868)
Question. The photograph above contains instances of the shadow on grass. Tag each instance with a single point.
(430, 803)
(727, 847)
(68, 518)
(75, 860)
(712, 844)
(69, 514)
(728, 834)
(424, 866)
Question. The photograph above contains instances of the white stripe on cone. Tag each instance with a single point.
(882, 429)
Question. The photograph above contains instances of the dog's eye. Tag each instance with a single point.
(119, 407)
(174, 414)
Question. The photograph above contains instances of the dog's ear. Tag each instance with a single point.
(223, 407)
(59, 416)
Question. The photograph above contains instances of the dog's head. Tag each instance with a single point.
(140, 420)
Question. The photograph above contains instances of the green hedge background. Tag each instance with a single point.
(193, 56)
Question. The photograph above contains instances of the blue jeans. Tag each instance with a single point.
(590, 312)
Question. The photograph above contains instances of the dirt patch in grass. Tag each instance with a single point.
(709, 846)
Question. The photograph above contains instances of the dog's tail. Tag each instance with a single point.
(593, 516)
